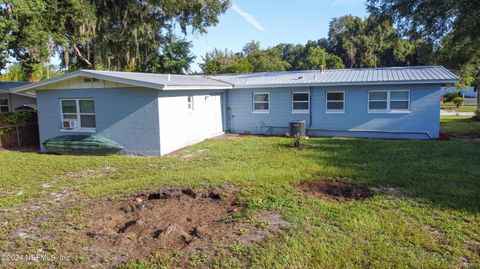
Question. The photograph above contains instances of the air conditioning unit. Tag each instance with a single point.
(69, 124)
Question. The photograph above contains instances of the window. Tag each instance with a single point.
(388, 101)
(300, 102)
(335, 102)
(4, 105)
(81, 111)
(190, 103)
(377, 100)
(261, 102)
(399, 100)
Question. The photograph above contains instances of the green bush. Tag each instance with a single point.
(18, 116)
(449, 97)
(458, 101)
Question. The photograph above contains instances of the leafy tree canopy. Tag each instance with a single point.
(372, 42)
(453, 26)
(104, 34)
(282, 57)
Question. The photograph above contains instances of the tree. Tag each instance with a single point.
(25, 32)
(369, 43)
(291, 53)
(225, 62)
(342, 39)
(453, 26)
(278, 58)
(175, 56)
(431, 19)
(6, 26)
(15, 72)
(106, 34)
(267, 60)
(316, 58)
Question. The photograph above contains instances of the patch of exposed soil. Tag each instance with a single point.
(443, 136)
(333, 190)
(186, 220)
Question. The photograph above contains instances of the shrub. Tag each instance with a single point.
(458, 101)
(297, 141)
(11, 118)
(449, 97)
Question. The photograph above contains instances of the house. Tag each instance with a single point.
(154, 114)
(10, 101)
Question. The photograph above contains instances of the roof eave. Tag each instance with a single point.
(84, 73)
(31, 95)
(452, 81)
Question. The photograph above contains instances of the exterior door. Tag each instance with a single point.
(215, 105)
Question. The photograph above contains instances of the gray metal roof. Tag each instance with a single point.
(361, 76)
(161, 79)
(337, 77)
(147, 80)
(7, 85)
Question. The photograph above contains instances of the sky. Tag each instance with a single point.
(272, 22)
(269, 22)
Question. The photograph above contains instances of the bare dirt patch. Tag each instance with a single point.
(185, 220)
(333, 190)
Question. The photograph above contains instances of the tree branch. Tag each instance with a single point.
(79, 54)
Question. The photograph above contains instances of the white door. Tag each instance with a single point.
(215, 111)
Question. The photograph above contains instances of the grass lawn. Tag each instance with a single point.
(452, 107)
(458, 126)
(433, 223)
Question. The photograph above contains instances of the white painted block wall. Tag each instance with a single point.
(181, 127)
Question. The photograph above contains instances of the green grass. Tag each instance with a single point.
(435, 223)
(458, 126)
(452, 107)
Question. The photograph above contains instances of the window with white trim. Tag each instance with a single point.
(389, 101)
(335, 102)
(301, 102)
(190, 103)
(81, 111)
(4, 107)
(261, 102)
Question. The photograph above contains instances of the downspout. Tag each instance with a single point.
(227, 112)
(310, 108)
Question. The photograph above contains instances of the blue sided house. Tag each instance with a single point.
(155, 114)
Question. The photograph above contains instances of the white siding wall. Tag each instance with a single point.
(180, 127)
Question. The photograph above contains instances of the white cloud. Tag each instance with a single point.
(249, 18)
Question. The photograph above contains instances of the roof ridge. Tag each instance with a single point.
(130, 72)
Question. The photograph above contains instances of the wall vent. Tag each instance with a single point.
(87, 80)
